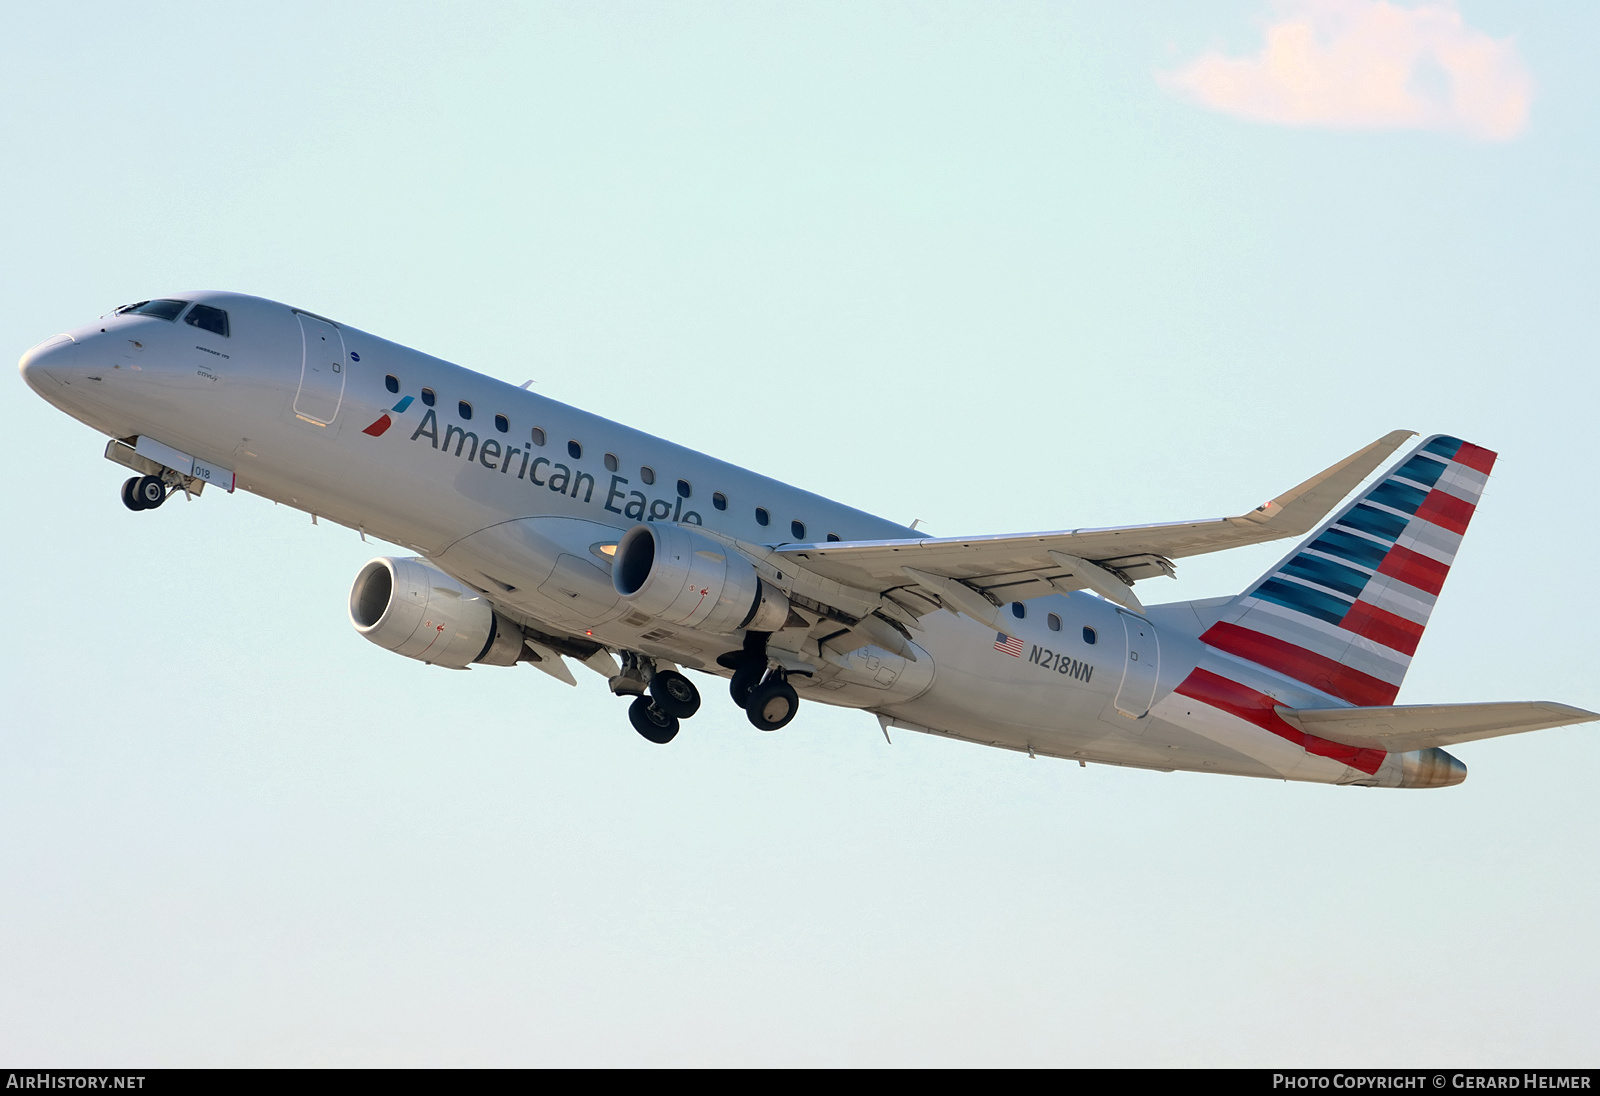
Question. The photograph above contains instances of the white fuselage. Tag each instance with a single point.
(500, 502)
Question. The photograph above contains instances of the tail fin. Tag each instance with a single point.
(1345, 611)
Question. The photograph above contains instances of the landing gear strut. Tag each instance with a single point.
(144, 493)
(749, 666)
(745, 680)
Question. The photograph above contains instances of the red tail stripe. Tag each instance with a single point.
(1476, 457)
(1318, 671)
(1414, 569)
(1445, 511)
(1257, 708)
(1382, 626)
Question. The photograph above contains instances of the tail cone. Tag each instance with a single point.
(1432, 768)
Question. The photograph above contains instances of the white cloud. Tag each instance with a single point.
(1369, 64)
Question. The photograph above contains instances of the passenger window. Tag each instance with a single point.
(537, 435)
(647, 474)
(464, 408)
(574, 450)
(719, 500)
(427, 396)
(611, 462)
(1054, 622)
(203, 316)
(1018, 610)
(1088, 635)
(762, 517)
(798, 528)
(683, 489)
(833, 536)
(392, 383)
(502, 424)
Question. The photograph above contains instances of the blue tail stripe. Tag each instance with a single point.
(1445, 447)
(1397, 496)
(1325, 572)
(1421, 470)
(1303, 599)
(1335, 542)
(1376, 522)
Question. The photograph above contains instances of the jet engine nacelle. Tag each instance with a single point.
(414, 609)
(681, 577)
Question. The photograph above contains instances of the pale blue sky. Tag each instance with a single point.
(969, 263)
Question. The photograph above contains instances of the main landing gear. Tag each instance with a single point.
(772, 703)
(144, 493)
(765, 695)
(660, 697)
(663, 698)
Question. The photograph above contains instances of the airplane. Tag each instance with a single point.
(546, 535)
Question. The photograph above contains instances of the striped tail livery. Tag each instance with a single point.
(1345, 612)
(1316, 649)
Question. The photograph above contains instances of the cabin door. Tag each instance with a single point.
(322, 368)
(1140, 666)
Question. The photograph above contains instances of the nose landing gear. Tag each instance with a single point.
(144, 493)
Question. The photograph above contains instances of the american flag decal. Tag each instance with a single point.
(1011, 645)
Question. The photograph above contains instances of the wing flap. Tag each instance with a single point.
(1422, 726)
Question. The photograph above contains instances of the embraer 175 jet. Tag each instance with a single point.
(543, 533)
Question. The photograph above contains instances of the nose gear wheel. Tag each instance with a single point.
(144, 493)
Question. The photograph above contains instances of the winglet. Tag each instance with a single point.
(1297, 510)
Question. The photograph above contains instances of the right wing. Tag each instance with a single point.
(1015, 567)
(857, 592)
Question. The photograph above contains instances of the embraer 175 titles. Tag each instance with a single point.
(546, 535)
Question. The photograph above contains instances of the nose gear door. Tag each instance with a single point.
(322, 369)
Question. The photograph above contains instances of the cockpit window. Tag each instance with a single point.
(162, 310)
(214, 320)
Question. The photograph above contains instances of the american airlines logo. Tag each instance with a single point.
(384, 421)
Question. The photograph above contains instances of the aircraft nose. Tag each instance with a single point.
(42, 366)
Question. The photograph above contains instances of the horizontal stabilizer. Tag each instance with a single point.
(1423, 726)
